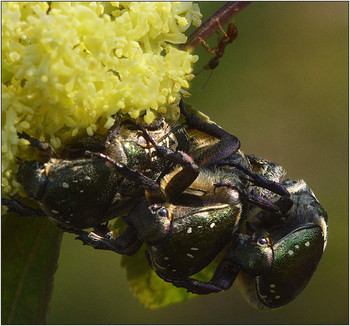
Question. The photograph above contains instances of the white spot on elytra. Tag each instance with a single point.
(307, 243)
(290, 252)
(189, 255)
(189, 230)
(212, 225)
(65, 185)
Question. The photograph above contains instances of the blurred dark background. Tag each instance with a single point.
(282, 89)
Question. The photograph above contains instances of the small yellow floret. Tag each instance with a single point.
(68, 65)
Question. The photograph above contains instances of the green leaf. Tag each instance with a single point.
(30, 249)
(151, 290)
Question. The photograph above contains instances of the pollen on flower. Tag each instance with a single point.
(68, 67)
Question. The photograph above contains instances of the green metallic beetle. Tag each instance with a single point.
(95, 179)
(185, 236)
(79, 190)
(278, 259)
(274, 257)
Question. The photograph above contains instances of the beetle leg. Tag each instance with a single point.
(41, 146)
(227, 146)
(222, 279)
(258, 179)
(128, 173)
(251, 198)
(20, 208)
(284, 204)
(179, 179)
(126, 244)
(178, 157)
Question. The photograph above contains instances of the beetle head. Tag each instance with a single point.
(31, 175)
(298, 242)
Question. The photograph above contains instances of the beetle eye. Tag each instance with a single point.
(153, 208)
(262, 241)
(163, 212)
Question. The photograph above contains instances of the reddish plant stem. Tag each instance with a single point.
(210, 26)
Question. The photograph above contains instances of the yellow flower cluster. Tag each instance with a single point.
(68, 67)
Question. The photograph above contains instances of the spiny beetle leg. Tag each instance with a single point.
(258, 179)
(128, 173)
(285, 203)
(222, 279)
(251, 198)
(126, 244)
(41, 146)
(227, 146)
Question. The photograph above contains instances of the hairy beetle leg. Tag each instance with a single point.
(227, 146)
